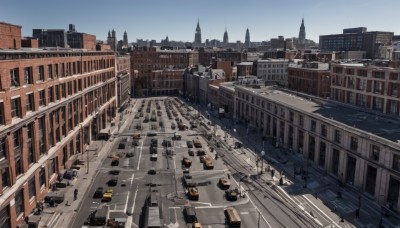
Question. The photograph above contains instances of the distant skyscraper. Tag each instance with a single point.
(112, 40)
(247, 40)
(125, 40)
(226, 39)
(197, 35)
(302, 35)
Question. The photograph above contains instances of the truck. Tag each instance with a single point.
(224, 183)
(197, 143)
(100, 216)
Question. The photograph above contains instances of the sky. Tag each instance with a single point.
(177, 19)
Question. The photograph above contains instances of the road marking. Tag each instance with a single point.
(114, 211)
(126, 203)
(258, 210)
(320, 211)
(134, 200)
(204, 207)
(244, 213)
(140, 154)
(132, 178)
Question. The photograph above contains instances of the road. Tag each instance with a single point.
(260, 206)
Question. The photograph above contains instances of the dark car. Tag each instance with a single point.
(191, 152)
(135, 142)
(115, 162)
(154, 142)
(112, 182)
(167, 143)
(153, 150)
(189, 144)
(114, 172)
(99, 192)
(151, 134)
(152, 171)
(121, 146)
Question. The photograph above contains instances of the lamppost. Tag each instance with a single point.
(262, 160)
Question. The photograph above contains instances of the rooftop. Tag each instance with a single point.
(343, 116)
(245, 64)
(272, 60)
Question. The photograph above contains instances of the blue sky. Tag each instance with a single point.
(156, 19)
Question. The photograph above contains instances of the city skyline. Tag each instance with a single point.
(265, 20)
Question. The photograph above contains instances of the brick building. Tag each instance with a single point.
(167, 82)
(310, 77)
(366, 86)
(207, 56)
(52, 104)
(148, 59)
(123, 68)
(10, 36)
(245, 68)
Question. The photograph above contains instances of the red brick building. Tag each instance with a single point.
(147, 59)
(10, 36)
(166, 82)
(310, 77)
(52, 104)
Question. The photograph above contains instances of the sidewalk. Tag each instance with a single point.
(323, 187)
(63, 214)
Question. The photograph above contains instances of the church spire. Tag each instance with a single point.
(302, 35)
(197, 35)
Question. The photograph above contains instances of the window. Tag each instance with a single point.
(301, 120)
(375, 152)
(18, 166)
(56, 69)
(28, 75)
(324, 131)
(3, 148)
(354, 143)
(42, 135)
(42, 178)
(337, 136)
(50, 71)
(30, 144)
(32, 188)
(29, 102)
(1, 113)
(50, 95)
(5, 178)
(40, 70)
(17, 141)
(291, 116)
(313, 125)
(57, 91)
(396, 162)
(16, 107)
(5, 217)
(19, 202)
(14, 75)
(42, 98)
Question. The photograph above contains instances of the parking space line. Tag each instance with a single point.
(126, 203)
(140, 154)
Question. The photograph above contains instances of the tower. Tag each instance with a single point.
(125, 39)
(302, 35)
(112, 40)
(247, 39)
(226, 39)
(197, 35)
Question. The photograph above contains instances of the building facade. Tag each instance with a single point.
(197, 35)
(367, 86)
(123, 72)
(245, 68)
(51, 37)
(53, 103)
(312, 78)
(148, 59)
(364, 155)
(247, 39)
(302, 35)
(166, 82)
(10, 36)
(273, 70)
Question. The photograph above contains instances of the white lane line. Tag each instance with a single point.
(140, 154)
(258, 210)
(126, 203)
(134, 200)
(133, 175)
(321, 212)
(113, 211)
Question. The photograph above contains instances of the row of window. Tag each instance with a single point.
(54, 93)
(51, 71)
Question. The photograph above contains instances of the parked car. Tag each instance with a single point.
(189, 144)
(112, 182)
(191, 152)
(114, 172)
(99, 192)
(152, 171)
(107, 196)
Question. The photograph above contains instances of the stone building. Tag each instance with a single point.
(359, 148)
(273, 71)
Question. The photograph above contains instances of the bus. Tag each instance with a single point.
(233, 217)
(153, 217)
